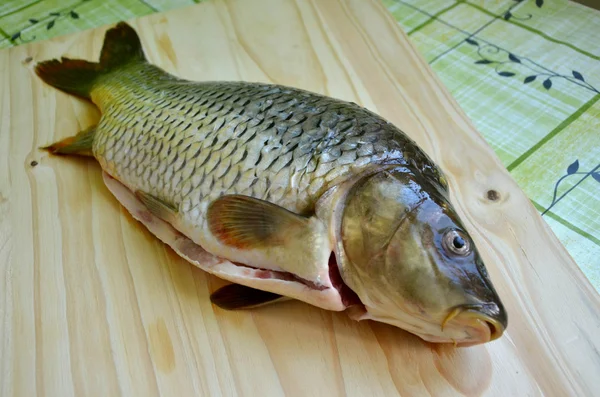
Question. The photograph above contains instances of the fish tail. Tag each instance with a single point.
(121, 47)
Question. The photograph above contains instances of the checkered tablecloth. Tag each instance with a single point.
(526, 72)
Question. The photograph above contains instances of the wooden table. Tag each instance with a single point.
(92, 304)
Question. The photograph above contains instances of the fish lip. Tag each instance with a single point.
(496, 329)
(489, 314)
(496, 313)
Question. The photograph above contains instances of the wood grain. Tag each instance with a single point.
(92, 304)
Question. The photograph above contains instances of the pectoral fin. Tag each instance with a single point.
(236, 296)
(160, 208)
(245, 222)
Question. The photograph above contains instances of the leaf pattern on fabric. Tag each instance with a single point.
(525, 67)
(572, 169)
(49, 21)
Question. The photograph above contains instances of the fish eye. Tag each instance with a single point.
(455, 242)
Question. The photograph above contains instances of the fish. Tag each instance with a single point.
(285, 193)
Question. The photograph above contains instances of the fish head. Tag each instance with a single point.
(404, 251)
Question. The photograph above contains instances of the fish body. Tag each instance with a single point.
(282, 191)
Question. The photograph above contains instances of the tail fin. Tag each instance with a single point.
(74, 76)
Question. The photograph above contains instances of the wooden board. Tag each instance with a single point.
(92, 305)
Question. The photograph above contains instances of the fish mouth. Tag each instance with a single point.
(483, 323)
(496, 328)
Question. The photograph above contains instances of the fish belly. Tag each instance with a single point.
(327, 297)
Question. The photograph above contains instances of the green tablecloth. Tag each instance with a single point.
(526, 72)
